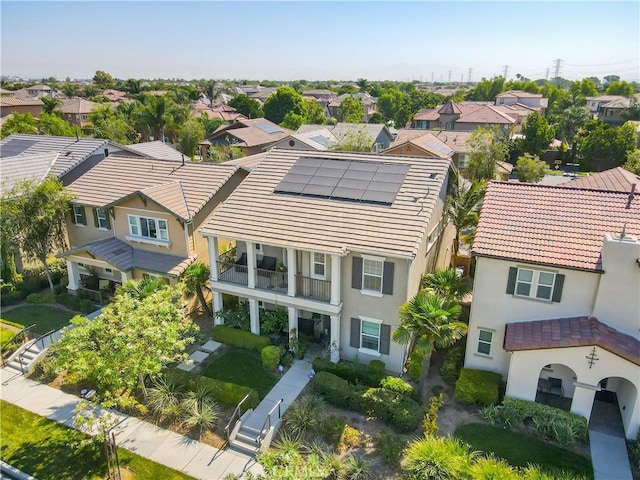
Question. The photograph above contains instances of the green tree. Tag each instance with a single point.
(350, 110)
(108, 123)
(463, 206)
(190, 136)
(283, 101)
(69, 89)
(209, 125)
(378, 118)
(633, 161)
(313, 112)
(390, 102)
(632, 112)
(606, 147)
(584, 87)
(132, 338)
(538, 134)
(485, 147)
(487, 90)
(354, 141)
(33, 217)
(363, 84)
(530, 168)
(247, 106)
(196, 280)
(133, 86)
(140, 289)
(50, 104)
(52, 124)
(447, 282)
(19, 123)
(620, 88)
(102, 80)
(569, 124)
(292, 121)
(350, 89)
(155, 116)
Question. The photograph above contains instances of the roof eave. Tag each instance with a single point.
(529, 262)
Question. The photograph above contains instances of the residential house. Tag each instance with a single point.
(320, 140)
(10, 104)
(156, 149)
(320, 94)
(614, 180)
(76, 111)
(250, 135)
(35, 91)
(223, 112)
(555, 303)
(369, 103)
(517, 97)
(263, 94)
(340, 240)
(379, 134)
(464, 116)
(610, 111)
(594, 104)
(116, 97)
(424, 144)
(132, 219)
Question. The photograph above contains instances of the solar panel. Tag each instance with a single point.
(268, 128)
(350, 180)
(15, 146)
(327, 142)
(438, 147)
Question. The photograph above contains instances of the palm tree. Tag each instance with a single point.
(50, 104)
(447, 282)
(195, 279)
(463, 206)
(570, 122)
(154, 115)
(140, 289)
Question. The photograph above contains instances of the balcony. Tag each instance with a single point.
(308, 287)
(270, 280)
(231, 269)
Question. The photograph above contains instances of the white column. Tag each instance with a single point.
(583, 396)
(212, 242)
(251, 265)
(335, 279)
(254, 315)
(293, 322)
(217, 306)
(291, 273)
(74, 275)
(335, 338)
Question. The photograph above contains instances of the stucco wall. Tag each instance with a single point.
(80, 235)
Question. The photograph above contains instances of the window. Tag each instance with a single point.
(318, 265)
(484, 342)
(78, 215)
(153, 228)
(372, 274)
(108, 270)
(370, 335)
(101, 219)
(258, 247)
(530, 283)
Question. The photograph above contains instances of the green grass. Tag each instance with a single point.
(48, 450)
(519, 449)
(243, 367)
(45, 318)
(6, 335)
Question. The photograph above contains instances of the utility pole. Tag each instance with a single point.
(469, 77)
(546, 77)
(556, 68)
(431, 77)
(461, 77)
(449, 76)
(506, 71)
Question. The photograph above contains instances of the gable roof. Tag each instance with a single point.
(251, 132)
(615, 180)
(449, 108)
(428, 143)
(157, 149)
(29, 167)
(254, 212)
(618, 103)
(183, 189)
(571, 332)
(552, 225)
(519, 94)
(341, 129)
(77, 105)
(9, 101)
(456, 140)
(320, 140)
(469, 112)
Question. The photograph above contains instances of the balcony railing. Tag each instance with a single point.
(230, 271)
(313, 288)
(270, 280)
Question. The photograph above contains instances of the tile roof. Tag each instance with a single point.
(571, 332)
(251, 132)
(77, 105)
(8, 101)
(255, 213)
(470, 112)
(618, 103)
(615, 180)
(32, 167)
(486, 114)
(450, 108)
(125, 258)
(456, 140)
(157, 149)
(340, 129)
(249, 162)
(552, 225)
(519, 94)
(181, 188)
(429, 143)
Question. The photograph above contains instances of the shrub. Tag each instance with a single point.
(452, 363)
(414, 367)
(331, 429)
(430, 422)
(400, 412)
(12, 297)
(349, 439)
(73, 302)
(376, 367)
(436, 458)
(41, 298)
(337, 391)
(271, 357)
(224, 393)
(492, 467)
(634, 448)
(239, 338)
(357, 468)
(305, 413)
(354, 372)
(58, 289)
(396, 384)
(478, 387)
(389, 447)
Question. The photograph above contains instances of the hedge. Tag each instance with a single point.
(41, 298)
(239, 338)
(33, 280)
(73, 302)
(224, 393)
(453, 360)
(478, 387)
(271, 356)
(396, 384)
(369, 375)
(414, 367)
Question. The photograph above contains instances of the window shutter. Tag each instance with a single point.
(511, 283)
(355, 332)
(385, 338)
(108, 218)
(557, 288)
(356, 274)
(84, 216)
(95, 217)
(387, 278)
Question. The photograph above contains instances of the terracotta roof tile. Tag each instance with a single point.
(570, 332)
(616, 180)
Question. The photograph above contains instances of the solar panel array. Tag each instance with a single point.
(268, 128)
(327, 142)
(15, 147)
(438, 147)
(355, 181)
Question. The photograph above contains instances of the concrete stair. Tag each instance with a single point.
(24, 359)
(246, 440)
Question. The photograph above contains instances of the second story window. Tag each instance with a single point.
(101, 219)
(318, 265)
(78, 215)
(153, 228)
(372, 275)
(537, 284)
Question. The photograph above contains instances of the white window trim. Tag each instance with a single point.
(373, 293)
(368, 351)
(75, 218)
(143, 239)
(98, 210)
(313, 265)
(493, 336)
(534, 285)
(150, 241)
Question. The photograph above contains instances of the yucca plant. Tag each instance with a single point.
(163, 398)
(357, 468)
(306, 413)
(436, 458)
(492, 468)
(199, 409)
(332, 465)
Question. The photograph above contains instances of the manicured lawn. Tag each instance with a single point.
(520, 450)
(46, 318)
(5, 335)
(243, 367)
(48, 450)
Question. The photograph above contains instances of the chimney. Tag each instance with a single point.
(106, 152)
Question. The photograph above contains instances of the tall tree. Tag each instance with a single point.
(52, 124)
(354, 141)
(33, 215)
(283, 101)
(485, 147)
(363, 84)
(313, 112)
(487, 90)
(209, 125)
(530, 168)
(196, 280)
(538, 134)
(50, 104)
(448, 283)
(109, 123)
(156, 115)
(350, 110)
(569, 124)
(463, 206)
(620, 88)
(292, 121)
(633, 161)
(607, 147)
(247, 106)
(19, 123)
(191, 134)
(102, 80)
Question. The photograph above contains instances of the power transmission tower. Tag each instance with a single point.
(469, 78)
(557, 67)
(449, 76)
(431, 77)
(546, 77)
(506, 71)
(461, 77)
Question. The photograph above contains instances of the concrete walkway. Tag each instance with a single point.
(609, 457)
(162, 446)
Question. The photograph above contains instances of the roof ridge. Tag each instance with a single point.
(561, 186)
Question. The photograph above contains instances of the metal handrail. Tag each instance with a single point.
(40, 339)
(235, 412)
(21, 332)
(268, 421)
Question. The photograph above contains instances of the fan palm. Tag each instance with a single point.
(447, 282)
(463, 205)
(140, 289)
(195, 279)
(50, 104)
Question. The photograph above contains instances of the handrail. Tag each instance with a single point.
(21, 332)
(268, 421)
(40, 339)
(235, 412)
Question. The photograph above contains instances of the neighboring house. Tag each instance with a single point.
(116, 97)
(36, 91)
(223, 112)
(615, 180)
(425, 144)
(463, 116)
(156, 149)
(555, 300)
(250, 135)
(76, 111)
(594, 104)
(610, 111)
(379, 134)
(517, 97)
(319, 140)
(136, 218)
(25, 167)
(9, 105)
(320, 94)
(263, 94)
(369, 103)
(340, 240)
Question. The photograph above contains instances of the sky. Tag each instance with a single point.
(330, 40)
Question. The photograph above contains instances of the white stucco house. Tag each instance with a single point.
(557, 295)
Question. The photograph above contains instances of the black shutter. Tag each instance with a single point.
(385, 338)
(557, 288)
(387, 278)
(84, 216)
(355, 332)
(95, 217)
(356, 273)
(511, 283)
(107, 217)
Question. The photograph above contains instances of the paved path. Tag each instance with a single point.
(162, 446)
(609, 456)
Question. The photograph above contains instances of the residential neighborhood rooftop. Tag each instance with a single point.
(251, 132)
(158, 150)
(615, 179)
(29, 167)
(553, 225)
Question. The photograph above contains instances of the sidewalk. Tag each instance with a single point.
(609, 457)
(162, 446)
